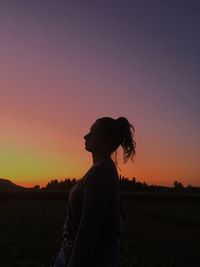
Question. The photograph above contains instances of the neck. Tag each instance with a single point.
(99, 157)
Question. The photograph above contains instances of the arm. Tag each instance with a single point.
(95, 201)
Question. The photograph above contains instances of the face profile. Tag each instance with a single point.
(94, 140)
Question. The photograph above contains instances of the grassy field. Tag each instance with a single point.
(156, 233)
(161, 234)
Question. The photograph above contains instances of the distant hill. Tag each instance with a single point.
(7, 185)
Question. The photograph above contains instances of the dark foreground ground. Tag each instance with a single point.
(156, 233)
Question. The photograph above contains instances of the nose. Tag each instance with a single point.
(85, 137)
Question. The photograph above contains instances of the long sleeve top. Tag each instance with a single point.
(93, 215)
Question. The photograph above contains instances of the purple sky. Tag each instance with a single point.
(65, 63)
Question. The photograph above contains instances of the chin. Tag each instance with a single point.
(88, 149)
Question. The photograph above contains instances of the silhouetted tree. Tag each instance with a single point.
(189, 186)
(178, 185)
(65, 184)
(134, 180)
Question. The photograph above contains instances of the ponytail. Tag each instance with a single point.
(126, 133)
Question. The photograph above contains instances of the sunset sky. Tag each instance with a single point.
(63, 64)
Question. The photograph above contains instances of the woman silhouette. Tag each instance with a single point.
(92, 227)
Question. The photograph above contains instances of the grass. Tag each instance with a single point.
(161, 234)
(156, 234)
(30, 232)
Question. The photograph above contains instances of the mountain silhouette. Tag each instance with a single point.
(7, 185)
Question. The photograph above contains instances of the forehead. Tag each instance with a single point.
(96, 126)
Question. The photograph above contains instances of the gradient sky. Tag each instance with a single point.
(63, 64)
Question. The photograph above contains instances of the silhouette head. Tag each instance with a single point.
(107, 134)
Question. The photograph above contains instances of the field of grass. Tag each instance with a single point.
(30, 232)
(156, 234)
(161, 234)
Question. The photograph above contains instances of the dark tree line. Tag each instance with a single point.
(65, 184)
(128, 185)
(132, 185)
